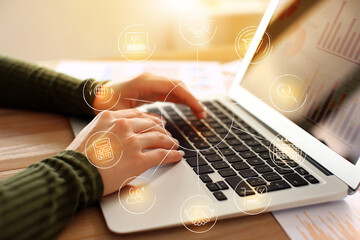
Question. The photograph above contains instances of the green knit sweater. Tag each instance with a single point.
(38, 202)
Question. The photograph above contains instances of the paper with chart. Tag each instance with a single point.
(202, 78)
(335, 220)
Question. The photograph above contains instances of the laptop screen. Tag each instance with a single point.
(307, 67)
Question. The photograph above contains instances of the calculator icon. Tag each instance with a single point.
(103, 150)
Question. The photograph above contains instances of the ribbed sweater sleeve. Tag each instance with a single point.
(28, 86)
(39, 201)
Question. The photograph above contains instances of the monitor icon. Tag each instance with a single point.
(136, 42)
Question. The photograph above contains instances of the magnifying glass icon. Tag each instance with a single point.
(284, 90)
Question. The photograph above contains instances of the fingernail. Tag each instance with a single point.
(205, 113)
(177, 141)
(158, 120)
(169, 133)
(181, 152)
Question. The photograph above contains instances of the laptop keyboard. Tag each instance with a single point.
(233, 149)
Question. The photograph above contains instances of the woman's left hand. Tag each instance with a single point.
(147, 88)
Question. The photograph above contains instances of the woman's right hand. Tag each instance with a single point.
(124, 144)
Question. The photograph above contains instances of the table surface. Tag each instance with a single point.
(27, 137)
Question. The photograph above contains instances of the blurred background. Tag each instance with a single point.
(38, 30)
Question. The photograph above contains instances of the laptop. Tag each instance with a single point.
(286, 134)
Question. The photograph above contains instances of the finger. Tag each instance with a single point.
(142, 125)
(135, 113)
(155, 139)
(162, 156)
(176, 89)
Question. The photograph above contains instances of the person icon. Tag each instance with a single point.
(135, 196)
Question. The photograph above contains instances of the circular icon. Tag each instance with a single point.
(103, 149)
(198, 214)
(252, 200)
(243, 41)
(196, 27)
(104, 95)
(288, 93)
(136, 195)
(284, 154)
(135, 43)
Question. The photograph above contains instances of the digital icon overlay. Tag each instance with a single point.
(288, 93)
(243, 41)
(252, 200)
(135, 43)
(285, 154)
(103, 150)
(100, 150)
(198, 214)
(196, 27)
(104, 95)
(136, 195)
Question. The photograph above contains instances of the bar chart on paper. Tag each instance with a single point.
(341, 35)
(336, 220)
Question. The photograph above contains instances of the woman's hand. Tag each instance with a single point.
(148, 88)
(134, 142)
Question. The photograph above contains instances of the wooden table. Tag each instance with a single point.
(27, 137)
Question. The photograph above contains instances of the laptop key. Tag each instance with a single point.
(207, 134)
(252, 142)
(212, 186)
(271, 176)
(221, 130)
(219, 196)
(222, 145)
(213, 139)
(248, 173)
(203, 169)
(241, 148)
(220, 165)
(240, 187)
(208, 151)
(283, 170)
(295, 180)
(227, 152)
(311, 179)
(278, 185)
(301, 171)
(227, 136)
(213, 158)
(233, 159)
(240, 166)
(201, 145)
(245, 137)
(263, 168)
(247, 154)
(194, 161)
(265, 155)
(195, 138)
(255, 161)
(189, 153)
(292, 163)
(222, 185)
(227, 172)
(260, 149)
(205, 178)
(234, 142)
(256, 181)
